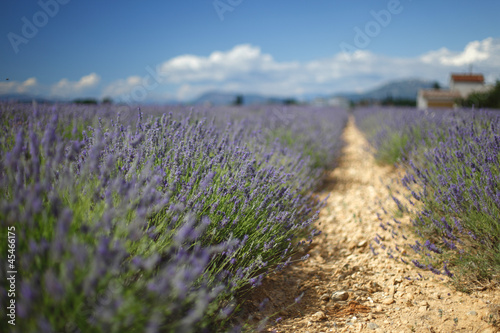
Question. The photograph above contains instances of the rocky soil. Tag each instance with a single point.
(353, 283)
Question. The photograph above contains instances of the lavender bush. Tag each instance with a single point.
(453, 180)
(152, 225)
(395, 132)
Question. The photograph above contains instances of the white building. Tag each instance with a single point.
(461, 86)
(437, 98)
(467, 83)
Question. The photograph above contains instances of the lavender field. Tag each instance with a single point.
(153, 220)
(451, 158)
(160, 219)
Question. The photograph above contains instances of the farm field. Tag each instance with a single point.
(174, 219)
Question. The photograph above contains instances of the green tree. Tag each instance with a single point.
(290, 101)
(238, 100)
(107, 100)
(488, 99)
(85, 101)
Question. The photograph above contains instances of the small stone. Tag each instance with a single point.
(372, 326)
(318, 316)
(422, 308)
(374, 287)
(472, 313)
(362, 243)
(340, 296)
(388, 301)
(325, 297)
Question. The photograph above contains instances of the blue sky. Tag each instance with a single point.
(161, 50)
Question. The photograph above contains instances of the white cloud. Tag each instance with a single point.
(240, 63)
(245, 68)
(29, 86)
(122, 86)
(62, 89)
(68, 89)
(29, 83)
(474, 52)
(188, 92)
(7, 87)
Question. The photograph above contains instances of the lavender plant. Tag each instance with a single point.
(395, 132)
(153, 225)
(451, 157)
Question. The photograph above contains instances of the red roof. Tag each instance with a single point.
(467, 78)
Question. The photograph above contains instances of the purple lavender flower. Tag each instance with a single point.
(263, 304)
(297, 299)
(446, 271)
(432, 247)
(433, 270)
(449, 244)
(372, 249)
(418, 264)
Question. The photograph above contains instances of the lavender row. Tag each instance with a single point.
(453, 183)
(153, 224)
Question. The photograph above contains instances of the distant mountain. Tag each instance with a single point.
(217, 98)
(401, 89)
(24, 98)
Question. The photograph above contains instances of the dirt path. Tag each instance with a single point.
(347, 288)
